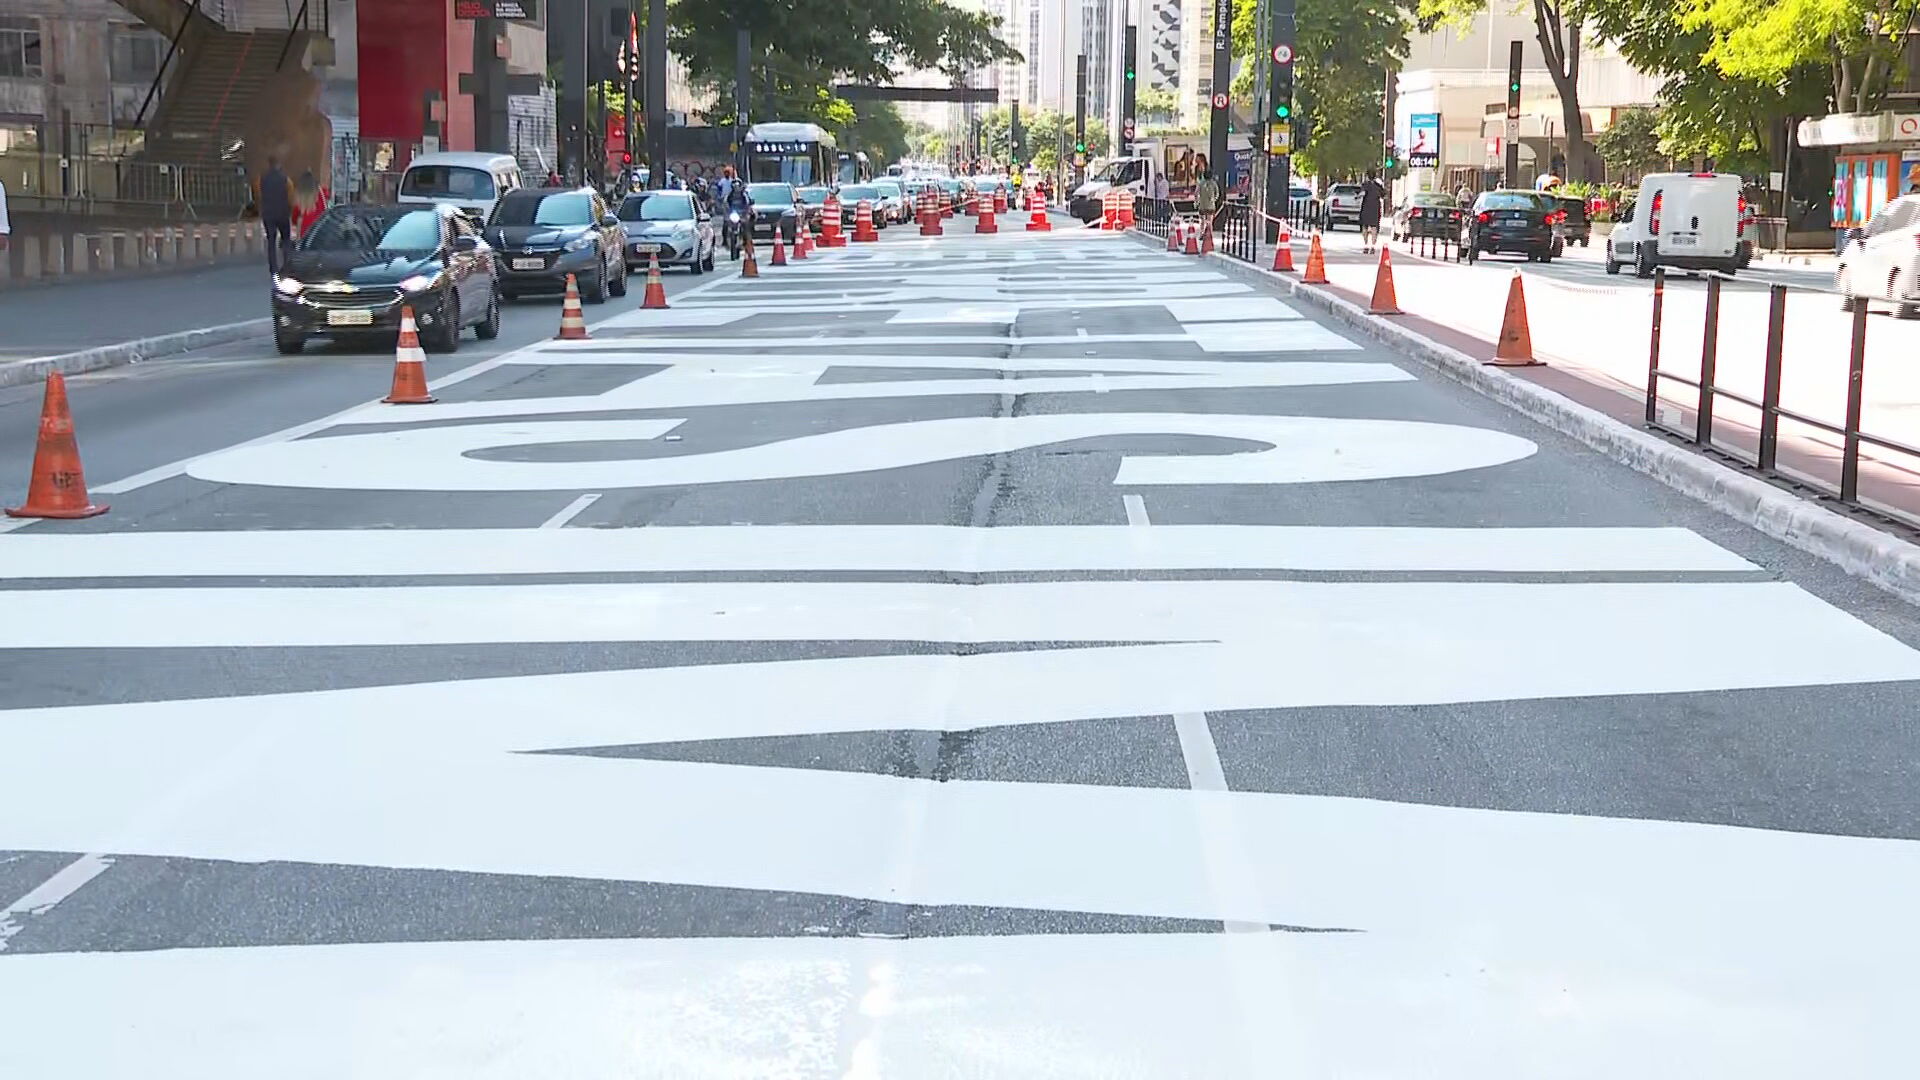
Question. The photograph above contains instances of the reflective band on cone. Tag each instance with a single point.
(56, 485)
(1038, 222)
(410, 361)
(985, 222)
(1283, 250)
(573, 320)
(863, 230)
(1384, 301)
(779, 249)
(1316, 263)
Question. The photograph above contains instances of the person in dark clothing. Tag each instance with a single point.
(1373, 198)
(275, 203)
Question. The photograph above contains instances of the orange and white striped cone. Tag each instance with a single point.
(410, 360)
(1283, 250)
(1173, 236)
(749, 266)
(1000, 200)
(573, 320)
(1126, 208)
(656, 294)
(830, 225)
(1192, 231)
(803, 244)
(1038, 222)
(863, 230)
(985, 223)
(779, 249)
(1206, 236)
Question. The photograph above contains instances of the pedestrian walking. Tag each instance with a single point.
(309, 201)
(274, 200)
(1373, 197)
(1206, 198)
(1162, 190)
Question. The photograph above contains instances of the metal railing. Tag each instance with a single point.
(92, 184)
(1765, 455)
(1153, 216)
(1235, 222)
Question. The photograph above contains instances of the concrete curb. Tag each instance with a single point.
(1860, 549)
(15, 372)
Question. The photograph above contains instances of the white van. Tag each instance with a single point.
(1687, 221)
(471, 181)
(1882, 261)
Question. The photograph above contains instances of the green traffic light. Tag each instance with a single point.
(1513, 88)
(1129, 73)
(1283, 111)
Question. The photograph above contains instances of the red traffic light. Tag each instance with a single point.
(626, 159)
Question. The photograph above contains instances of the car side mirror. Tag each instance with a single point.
(465, 245)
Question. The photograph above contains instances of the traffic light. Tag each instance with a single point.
(1280, 82)
(1129, 72)
(1080, 147)
(1392, 156)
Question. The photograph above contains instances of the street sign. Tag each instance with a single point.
(1126, 128)
(1219, 101)
(1282, 54)
(521, 10)
(1079, 161)
(1513, 112)
(1279, 138)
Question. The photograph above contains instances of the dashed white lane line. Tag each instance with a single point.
(1136, 509)
(569, 512)
(50, 892)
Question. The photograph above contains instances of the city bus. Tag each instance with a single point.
(803, 155)
(853, 167)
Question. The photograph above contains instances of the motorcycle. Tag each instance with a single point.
(736, 220)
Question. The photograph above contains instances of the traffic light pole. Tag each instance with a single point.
(742, 87)
(1013, 137)
(1514, 50)
(1279, 126)
(1129, 84)
(1222, 77)
(1080, 121)
(655, 71)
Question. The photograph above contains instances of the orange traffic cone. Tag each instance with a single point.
(1283, 251)
(863, 230)
(749, 266)
(57, 487)
(656, 294)
(1515, 348)
(573, 321)
(1173, 237)
(1316, 263)
(1384, 301)
(803, 244)
(830, 224)
(410, 361)
(779, 249)
(1206, 237)
(1039, 221)
(1192, 233)
(983, 221)
(999, 200)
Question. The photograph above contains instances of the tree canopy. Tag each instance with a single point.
(1345, 49)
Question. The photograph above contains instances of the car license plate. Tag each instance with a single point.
(529, 264)
(350, 317)
(647, 249)
(1684, 241)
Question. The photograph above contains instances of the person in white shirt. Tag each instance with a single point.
(6, 230)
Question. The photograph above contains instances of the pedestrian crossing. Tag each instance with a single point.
(863, 725)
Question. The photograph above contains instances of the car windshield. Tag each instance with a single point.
(813, 196)
(1510, 200)
(383, 229)
(447, 182)
(888, 191)
(771, 194)
(658, 206)
(563, 208)
(856, 192)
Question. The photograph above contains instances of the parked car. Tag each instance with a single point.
(1882, 261)
(1575, 226)
(544, 234)
(776, 206)
(361, 263)
(1511, 220)
(1343, 204)
(669, 224)
(1427, 213)
(1689, 221)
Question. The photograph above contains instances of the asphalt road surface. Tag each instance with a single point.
(1023, 655)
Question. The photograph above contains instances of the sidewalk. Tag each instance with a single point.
(145, 314)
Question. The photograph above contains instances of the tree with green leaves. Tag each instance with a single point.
(1156, 107)
(1859, 43)
(1558, 27)
(1040, 136)
(1631, 146)
(877, 129)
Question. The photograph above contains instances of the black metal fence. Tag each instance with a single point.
(1236, 224)
(1153, 216)
(1764, 453)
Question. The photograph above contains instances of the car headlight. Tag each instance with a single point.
(581, 244)
(288, 286)
(419, 283)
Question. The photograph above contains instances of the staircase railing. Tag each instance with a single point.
(173, 46)
(293, 27)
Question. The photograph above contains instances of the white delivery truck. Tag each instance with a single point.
(1686, 221)
(1178, 157)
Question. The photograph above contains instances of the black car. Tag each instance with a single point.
(1428, 213)
(1575, 226)
(851, 196)
(775, 204)
(1521, 222)
(360, 263)
(544, 234)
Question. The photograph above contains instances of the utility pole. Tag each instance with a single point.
(742, 86)
(1013, 135)
(1129, 81)
(1222, 78)
(1080, 121)
(1280, 32)
(1513, 113)
(656, 97)
(633, 60)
